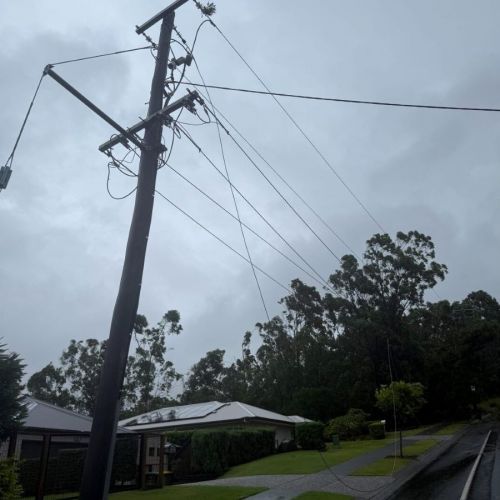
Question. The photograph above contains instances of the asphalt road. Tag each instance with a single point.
(445, 478)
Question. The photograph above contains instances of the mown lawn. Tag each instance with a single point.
(322, 495)
(308, 461)
(389, 465)
(190, 493)
(451, 429)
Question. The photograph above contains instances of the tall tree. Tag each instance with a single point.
(12, 411)
(49, 384)
(205, 379)
(149, 375)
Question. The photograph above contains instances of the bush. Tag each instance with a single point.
(310, 435)
(376, 430)
(9, 485)
(214, 451)
(209, 452)
(349, 426)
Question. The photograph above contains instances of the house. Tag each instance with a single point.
(211, 415)
(61, 428)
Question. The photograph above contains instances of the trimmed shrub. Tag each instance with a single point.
(349, 426)
(124, 462)
(209, 451)
(310, 435)
(249, 444)
(213, 451)
(376, 430)
(9, 485)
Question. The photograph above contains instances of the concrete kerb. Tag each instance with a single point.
(420, 466)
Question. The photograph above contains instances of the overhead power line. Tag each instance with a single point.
(280, 194)
(290, 187)
(236, 204)
(222, 241)
(189, 50)
(101, 55)
(347, 101)
(251, 205)
(301, 130)
(249, 228)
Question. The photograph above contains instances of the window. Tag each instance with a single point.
(151, 451)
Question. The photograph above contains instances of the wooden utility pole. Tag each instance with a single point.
(99, 459)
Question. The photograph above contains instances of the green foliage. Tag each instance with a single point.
(124, 461)
(10, 488)
(48, 385)
(310, 435)
(249, 444)
(204, 382)
(407, 398)
(12, 411)
(210, 452)
(350, 426)
(376, 430)
(148, 379)
(213, 451)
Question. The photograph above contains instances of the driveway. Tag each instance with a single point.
(334, 479)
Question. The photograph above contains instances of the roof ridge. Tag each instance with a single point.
(242, 405)
(60, 408)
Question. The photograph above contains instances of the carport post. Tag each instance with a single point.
(161, 481)
(142, 462)
(11, 451)
(44, 461)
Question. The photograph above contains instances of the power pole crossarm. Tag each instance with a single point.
(125, 134)
(162, 114)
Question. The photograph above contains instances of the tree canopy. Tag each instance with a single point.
(12, 411)
(330, 350)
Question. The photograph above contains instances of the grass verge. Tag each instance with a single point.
(451, 429)
(383, 467)
(389, 465)
(190, 493)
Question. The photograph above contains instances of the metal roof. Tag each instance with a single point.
(199, 414)
(42, 415)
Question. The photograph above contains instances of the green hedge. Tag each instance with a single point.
(310, 435)
(214, 451)
(349, 426)
(376, 430)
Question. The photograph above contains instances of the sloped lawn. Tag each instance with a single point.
(306, 462)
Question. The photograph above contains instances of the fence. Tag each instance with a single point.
(51, 464)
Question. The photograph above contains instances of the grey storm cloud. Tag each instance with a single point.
(62, 238)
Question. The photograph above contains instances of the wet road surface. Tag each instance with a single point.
(446, 478)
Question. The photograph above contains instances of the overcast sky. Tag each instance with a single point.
(62, 238)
